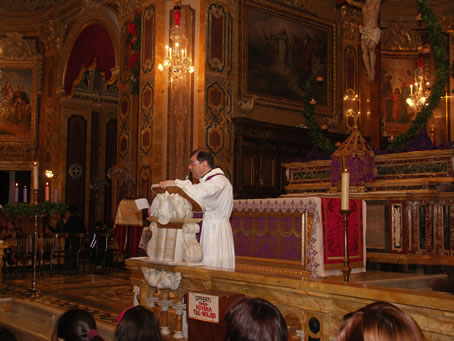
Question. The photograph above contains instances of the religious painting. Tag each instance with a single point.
(397, 74)
(281, 49)
(18, 101)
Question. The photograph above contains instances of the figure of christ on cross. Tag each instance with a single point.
(370, 33)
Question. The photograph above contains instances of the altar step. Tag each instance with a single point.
(33, 321)
(403, 281)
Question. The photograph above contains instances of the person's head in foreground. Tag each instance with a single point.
(137, 324)
(76, 325)
(379, 321)
(252, 319)
(6, 335)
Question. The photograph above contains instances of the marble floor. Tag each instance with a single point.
(104, 295)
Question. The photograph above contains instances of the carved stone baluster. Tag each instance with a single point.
(179, 310)
(164, 316)
(300, 334)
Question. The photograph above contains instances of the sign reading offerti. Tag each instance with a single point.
(203, 307)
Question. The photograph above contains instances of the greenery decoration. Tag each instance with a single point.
(314, 129)
(133, 40)
(442, 70)
(20, 209)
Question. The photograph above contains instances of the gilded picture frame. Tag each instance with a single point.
(18, 100)
(280, 49)
(397, 74)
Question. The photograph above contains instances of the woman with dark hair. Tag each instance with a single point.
(137, 324)
(379, 321)
(76, 325)
(252, 319)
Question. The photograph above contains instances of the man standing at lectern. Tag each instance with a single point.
(215, 194)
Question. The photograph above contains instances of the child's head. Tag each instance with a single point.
(76, 325)
(137, 324)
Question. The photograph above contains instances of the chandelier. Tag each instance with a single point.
(420, 89)
(176, 62)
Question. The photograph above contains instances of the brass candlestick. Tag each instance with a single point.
(34, 291)
(346, 270)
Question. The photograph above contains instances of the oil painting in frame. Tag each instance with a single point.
(397, 74)
(18, 86)
(281, 49)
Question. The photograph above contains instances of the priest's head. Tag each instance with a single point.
(200, 163)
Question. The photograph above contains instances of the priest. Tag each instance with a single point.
(215, 194)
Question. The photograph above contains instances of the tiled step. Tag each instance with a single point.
(32, 321)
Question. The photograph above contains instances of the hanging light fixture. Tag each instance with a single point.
(176, 62)
(420, 89)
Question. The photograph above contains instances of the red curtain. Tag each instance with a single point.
(133, 233)
(93, 47)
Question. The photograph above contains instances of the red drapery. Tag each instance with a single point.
(92, 48)
(333, 233)
(132, 233)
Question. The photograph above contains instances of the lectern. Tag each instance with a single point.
(173, 227)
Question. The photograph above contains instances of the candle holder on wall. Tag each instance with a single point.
(346, 269)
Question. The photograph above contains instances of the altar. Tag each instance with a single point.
(298, 236)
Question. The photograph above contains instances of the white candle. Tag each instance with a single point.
(345, 190)
(55, 195)
(46, 192)
(35, 175)
(25, 194)
(411, 89)
(16, 193)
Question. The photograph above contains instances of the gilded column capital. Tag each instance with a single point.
(52, 35)
(350, 23)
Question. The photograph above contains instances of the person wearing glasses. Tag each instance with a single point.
(215, 194)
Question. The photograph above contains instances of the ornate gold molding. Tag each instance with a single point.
(399, 36)
(27, 5)
(300, 4)
(127, 7)
(350, 23)
(447, 23)
(15, 48)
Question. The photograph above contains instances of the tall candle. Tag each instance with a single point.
(55, 195)
(345, 190)
(25, 194)
(16, 193)
(35, 175)
(46, 192)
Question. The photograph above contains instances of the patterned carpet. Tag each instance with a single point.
(103, 295)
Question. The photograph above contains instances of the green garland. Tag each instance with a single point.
(442, 70)
(314, 129)
(20, 209)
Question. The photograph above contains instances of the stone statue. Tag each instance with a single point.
(370, 33)
(162, 279)
(193, 250)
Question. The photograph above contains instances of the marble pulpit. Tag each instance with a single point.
(173, 228)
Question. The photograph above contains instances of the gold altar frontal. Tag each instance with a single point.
(312, 306)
